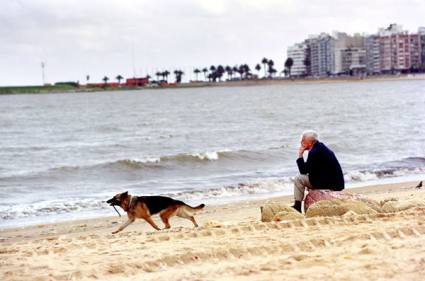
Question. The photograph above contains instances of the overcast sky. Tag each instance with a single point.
(109, 37)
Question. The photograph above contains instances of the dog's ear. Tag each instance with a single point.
(124, 194)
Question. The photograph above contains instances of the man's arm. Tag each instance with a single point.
(302, 167)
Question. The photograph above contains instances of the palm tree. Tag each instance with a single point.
(105, 81)
(205, 71)
(271, 70)
(265, 61)
(165, 75)
(258, 68)
(158, 73)
(178, 74)
(220, 71)
(288, 65)
(241, 70)
(229, 72)
(196, 71)
(247, 70)
(119, 78)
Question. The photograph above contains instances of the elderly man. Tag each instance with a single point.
(321, 170)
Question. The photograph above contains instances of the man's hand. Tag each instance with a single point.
(301, 151)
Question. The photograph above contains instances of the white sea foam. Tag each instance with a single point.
(206, 155)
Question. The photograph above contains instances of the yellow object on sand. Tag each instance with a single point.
(329, 208)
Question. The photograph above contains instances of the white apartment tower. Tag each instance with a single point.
(297, 53)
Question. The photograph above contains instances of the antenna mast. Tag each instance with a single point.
(43, 64)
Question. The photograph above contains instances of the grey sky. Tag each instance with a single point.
(97, 37)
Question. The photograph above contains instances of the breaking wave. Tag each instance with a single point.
(174, 160)
(235, 191)
(397, 168)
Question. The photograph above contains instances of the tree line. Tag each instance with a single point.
(217, 73)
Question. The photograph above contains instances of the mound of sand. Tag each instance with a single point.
(337, 207)
(288, 215)
(278, 212)
(393, 205)
(213, 224)
(318, 195)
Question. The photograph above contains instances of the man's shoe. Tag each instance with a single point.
(297, 206)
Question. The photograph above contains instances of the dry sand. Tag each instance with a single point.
(231, 244)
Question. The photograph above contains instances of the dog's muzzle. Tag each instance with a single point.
(113, 202)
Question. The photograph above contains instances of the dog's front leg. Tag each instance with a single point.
(127, 223)
(151, 222)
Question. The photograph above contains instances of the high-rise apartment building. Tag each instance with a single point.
(354, 61)
(373, 61)
(321, 55)
(298, 54)
(341, 43)
(415, 52)
(421, 34)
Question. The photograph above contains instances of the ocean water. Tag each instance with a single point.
(63, 155)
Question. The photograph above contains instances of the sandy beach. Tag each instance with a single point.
(230, 244)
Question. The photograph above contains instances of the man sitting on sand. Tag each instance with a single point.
(321, 170)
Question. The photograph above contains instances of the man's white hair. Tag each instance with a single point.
(310, 135)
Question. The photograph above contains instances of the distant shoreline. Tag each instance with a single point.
(12, 90)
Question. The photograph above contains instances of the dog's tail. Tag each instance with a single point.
(197, 208)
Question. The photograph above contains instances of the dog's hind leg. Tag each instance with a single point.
(165, 216)
(151, 222)
(183, 213)
(127, 223)
(192, 218)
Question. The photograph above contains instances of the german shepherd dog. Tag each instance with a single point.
(144, 207)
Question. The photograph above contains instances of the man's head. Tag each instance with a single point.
(309, 138)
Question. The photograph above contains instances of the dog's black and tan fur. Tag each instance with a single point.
(144, 207)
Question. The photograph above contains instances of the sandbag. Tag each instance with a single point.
(338, 207)
(317, 195)
(275, 212)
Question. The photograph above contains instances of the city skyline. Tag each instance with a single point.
(99, 38)
(390, 50)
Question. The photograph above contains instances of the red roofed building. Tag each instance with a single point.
(137, 82)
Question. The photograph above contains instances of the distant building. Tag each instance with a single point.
(415, 52)
(385, 54)
(321, 55)
(354, 61)
(298, 54)
(399, 50)
(342, 42)
(421, 34)
(137, 82)
(339, 45)
(373, 58)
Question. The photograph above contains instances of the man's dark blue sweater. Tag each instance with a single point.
(322, 167)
